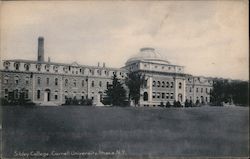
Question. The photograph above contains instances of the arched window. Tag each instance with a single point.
(100, 83)
(163, 84)
(201, 90)
(56, 95)
(93, 84)
(38, 80)
(180, 85)
(66, 82)
(56, 81)
(158, 83)
(27, 67)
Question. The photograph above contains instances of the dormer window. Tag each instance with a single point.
(47, 67)
(6, 65)
(38, 67)
(27, 67)
(55, 68)
(17, 65)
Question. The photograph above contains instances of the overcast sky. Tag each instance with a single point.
(209, 38)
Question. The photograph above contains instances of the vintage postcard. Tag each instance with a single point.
(124, 79)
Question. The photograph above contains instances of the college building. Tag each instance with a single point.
(51, 83)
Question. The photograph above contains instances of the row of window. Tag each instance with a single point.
(207, 90)
(16, 80)
(66, 82)
(164, 84)
(66, 69)
(16, 93)
(162, 95)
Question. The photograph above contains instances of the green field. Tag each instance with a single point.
(138, 132)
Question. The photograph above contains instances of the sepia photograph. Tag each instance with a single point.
(124, 79)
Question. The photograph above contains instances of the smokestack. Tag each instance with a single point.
(40, 56)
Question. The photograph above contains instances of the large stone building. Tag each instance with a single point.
(50, 83)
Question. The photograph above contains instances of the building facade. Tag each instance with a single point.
(50, 83)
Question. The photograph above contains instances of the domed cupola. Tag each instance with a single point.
(148, 55)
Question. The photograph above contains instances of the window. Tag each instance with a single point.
(172, 84)
(56, 95)
(93, 84)
(100, 83)
(55, 68)
(206, 90)
(66, 82)
(167, 84)
(190, 89)
(153, 94)
(154, 83)
(167, 95)
(201, 90)
(26, 94)
(27, 80)
(163, 84)
(6, 80)
(16, 65)
(38, 94)
(6, 65)
(180, 85)
(107, 84)
(16, 79)
(38, 80)
(197, 90)
(6, 93)
(47, 67)
(162, 95)
(38, 67)
(56, 81)
(158, 95)
(47, 81)
(158, 83)
(27, 67)
(171, 95)
(82, 83)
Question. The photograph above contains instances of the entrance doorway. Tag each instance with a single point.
(47, 95)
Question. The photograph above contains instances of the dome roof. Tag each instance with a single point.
(148, 54)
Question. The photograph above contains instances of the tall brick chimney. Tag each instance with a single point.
(40, 54)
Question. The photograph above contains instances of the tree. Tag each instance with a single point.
(134, 82)
(116, 94)
(229, 92)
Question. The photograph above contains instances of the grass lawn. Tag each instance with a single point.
(138, 132)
